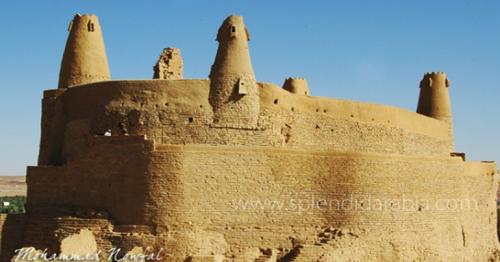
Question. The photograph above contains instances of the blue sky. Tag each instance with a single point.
(373, 51)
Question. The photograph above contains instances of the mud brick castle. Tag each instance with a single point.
(232, 169)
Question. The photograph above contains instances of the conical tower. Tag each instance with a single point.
(234, 95)
(434, 99)
(84, 60)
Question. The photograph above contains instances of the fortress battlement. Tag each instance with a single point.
(188, 165)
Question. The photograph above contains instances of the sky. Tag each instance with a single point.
(370, 51)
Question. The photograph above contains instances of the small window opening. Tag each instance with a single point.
(90, 26)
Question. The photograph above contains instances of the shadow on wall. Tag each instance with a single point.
(331, 203)
(498, 212)
(12, 228)
(498, 220)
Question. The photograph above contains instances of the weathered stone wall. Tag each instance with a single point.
(11, 234)
(169, 65)
(45, 230)
(146, 154)
(52, 128)
(229, 169)
(178, 112)
(246, 198)
(218, 186)
(113, 171)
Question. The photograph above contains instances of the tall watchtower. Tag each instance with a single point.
(84, 60)
(234, 95)
(434, 99)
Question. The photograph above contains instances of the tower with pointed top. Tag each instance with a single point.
(434, 99)
(84, 60)
(234, 95)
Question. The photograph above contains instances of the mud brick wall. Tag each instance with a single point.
(205, 193)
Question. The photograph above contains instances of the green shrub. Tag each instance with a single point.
(16, 204)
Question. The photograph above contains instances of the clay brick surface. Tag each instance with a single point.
(230, 169)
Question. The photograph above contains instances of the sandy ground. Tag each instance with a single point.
(12, 185)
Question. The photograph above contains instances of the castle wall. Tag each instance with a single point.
(164, 154)
(114, 171)
(231, 169)
(178, 112)
(52, 128)
(212, 194)
(193, 194)
(48, 231)
(11, 234)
